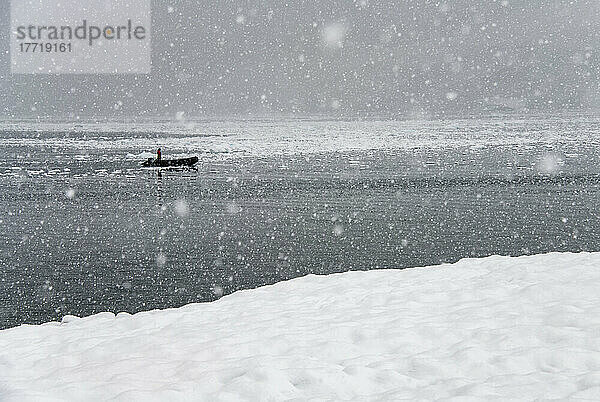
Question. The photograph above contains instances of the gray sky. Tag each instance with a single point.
(339, 58)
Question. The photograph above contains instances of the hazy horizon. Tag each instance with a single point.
(337, 58)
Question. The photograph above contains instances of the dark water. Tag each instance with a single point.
(86, 240)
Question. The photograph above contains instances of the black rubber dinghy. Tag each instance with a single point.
(171, 162)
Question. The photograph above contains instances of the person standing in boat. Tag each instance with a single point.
(158, 156)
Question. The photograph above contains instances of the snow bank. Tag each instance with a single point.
(496, 327)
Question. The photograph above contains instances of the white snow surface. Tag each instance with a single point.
(492, 328)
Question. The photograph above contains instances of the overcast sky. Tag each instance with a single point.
(405, 58)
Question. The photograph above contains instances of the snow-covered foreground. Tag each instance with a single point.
(496, 327)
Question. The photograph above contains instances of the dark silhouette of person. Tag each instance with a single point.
(158, 156)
